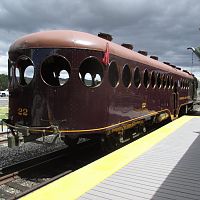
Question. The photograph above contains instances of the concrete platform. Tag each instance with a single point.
(162, 165)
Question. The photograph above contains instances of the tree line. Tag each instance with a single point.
(3, 81)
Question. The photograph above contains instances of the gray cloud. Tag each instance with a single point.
(163, 28)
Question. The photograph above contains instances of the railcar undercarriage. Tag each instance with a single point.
(109, 139)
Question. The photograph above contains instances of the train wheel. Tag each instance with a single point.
(71, 142)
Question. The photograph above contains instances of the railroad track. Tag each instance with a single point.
(3, 138)
(4, 142)
(13, 182)
(25, 177)
(14, 186)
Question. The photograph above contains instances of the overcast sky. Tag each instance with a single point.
(162, 27)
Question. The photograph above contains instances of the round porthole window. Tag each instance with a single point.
(164, 81)
(159, 80)
(126, 76)
(146, 78)
(168, 82)
(55, 70)
(172, 82)
(153, 79)
(24, 70)
(113, 74)
(137, 77)
(91, 72)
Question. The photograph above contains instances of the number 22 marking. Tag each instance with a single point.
(22, 111)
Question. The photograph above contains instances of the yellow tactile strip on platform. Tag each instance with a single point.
(77, 183)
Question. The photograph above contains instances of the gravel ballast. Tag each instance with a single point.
(10, 156)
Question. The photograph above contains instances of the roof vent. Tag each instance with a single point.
(178, 68)
(154, 57)
(127, 45)
(186, 71)
(173, 66)
(167, 63)
(145, 53)
(105, 36)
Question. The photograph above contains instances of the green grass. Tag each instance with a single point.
(4, 112)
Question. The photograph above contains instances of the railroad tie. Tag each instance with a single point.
(17, 186)
(5, 195)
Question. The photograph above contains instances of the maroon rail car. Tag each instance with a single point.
(80, 85)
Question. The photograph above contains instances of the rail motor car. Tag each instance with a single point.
(79, 85)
